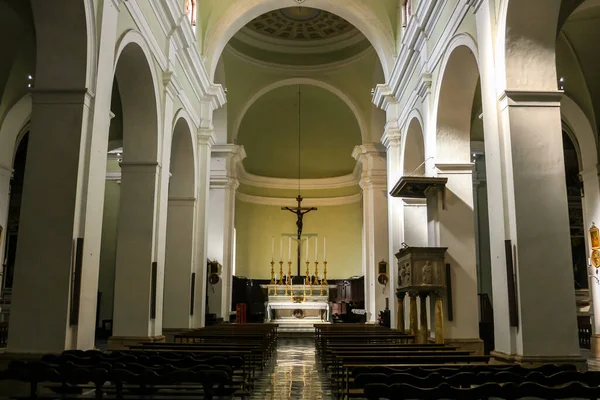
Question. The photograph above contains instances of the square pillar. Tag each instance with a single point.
(375, 225)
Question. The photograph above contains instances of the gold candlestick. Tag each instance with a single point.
(316, 272)
(281, 272)
(289, 270)
(307, 272)
(275, 290)
(324, 281)
(304, 290)
(272, 273)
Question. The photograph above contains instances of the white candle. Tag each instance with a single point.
(272, 248)
(316, 249)
(281, 248)
(324, 249)
(307, 250)
(289, 248)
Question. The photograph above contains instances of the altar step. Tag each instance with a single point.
(296, 327)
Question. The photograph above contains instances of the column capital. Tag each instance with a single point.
(206, 137)
(391, 138)
(225, 161)
(371, 158)
(383, 97)
(172, 85)
(455, 168)
(530, 98)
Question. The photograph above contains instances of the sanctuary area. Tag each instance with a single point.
(264, 198)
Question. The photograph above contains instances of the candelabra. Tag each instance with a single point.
(324, 281)
(289, 270)
(316, 272)
(281, 272)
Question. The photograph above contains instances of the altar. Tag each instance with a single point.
(295, 308)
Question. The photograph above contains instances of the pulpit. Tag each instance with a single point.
(421, 273)
(296, 308)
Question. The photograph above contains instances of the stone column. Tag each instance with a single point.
(375, 223)
(538, 227)
(42, 288)
(451, 225)
(206, 140)
(179, 262)
(400, 315)
(423, 330)
(223, 186)
(504, 336)
(133, 320)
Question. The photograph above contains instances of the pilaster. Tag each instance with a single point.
(373, 182)
(205, 140)
(225, 160)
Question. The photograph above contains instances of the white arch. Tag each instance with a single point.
(415, 115)
(16, 119)
(461, 39)
(362, 124)
(133, 37)
(358, 13)
(581, 127)
(182, 114)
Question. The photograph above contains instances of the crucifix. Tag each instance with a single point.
(299, 211)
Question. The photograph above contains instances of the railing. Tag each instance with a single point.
(585, 335)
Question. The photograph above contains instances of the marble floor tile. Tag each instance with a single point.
(293, 374)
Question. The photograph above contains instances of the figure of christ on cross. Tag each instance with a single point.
(299, 211)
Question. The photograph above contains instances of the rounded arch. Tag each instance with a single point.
(581, 132)
(183, 158)
(304, 81)
(526, 44)
(413, 146)
(220, 31)
(137, 78)
(454, 93)
(16, 119)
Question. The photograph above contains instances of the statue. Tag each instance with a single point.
(426, 271)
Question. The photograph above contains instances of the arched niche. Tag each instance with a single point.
(414, 149)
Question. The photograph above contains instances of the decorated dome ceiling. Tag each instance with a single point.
(301, 23)
(299, 36)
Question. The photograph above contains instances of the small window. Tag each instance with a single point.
(190, 10)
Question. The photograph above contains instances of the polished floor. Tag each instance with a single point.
(294, 374)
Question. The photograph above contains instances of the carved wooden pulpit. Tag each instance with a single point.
(422, 273)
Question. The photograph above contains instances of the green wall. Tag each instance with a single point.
(256, 224)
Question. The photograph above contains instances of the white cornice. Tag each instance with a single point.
(300, 68)
(307, 202)
(246, 178)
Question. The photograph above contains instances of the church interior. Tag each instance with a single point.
(299, 199)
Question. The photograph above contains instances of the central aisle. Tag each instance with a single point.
(294, 374)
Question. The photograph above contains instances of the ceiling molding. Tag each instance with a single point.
(290, 68)
(291, 202)
(339, 182)
(254, 39)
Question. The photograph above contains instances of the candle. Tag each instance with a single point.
(272, 248)
(281, 248)
(324, 249)
(307, 250)
(316, 248)
(289, 248)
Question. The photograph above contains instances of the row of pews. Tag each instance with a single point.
(214, 362)
(367, 361)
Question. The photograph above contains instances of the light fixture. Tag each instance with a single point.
(29, 77)
(562, 79)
